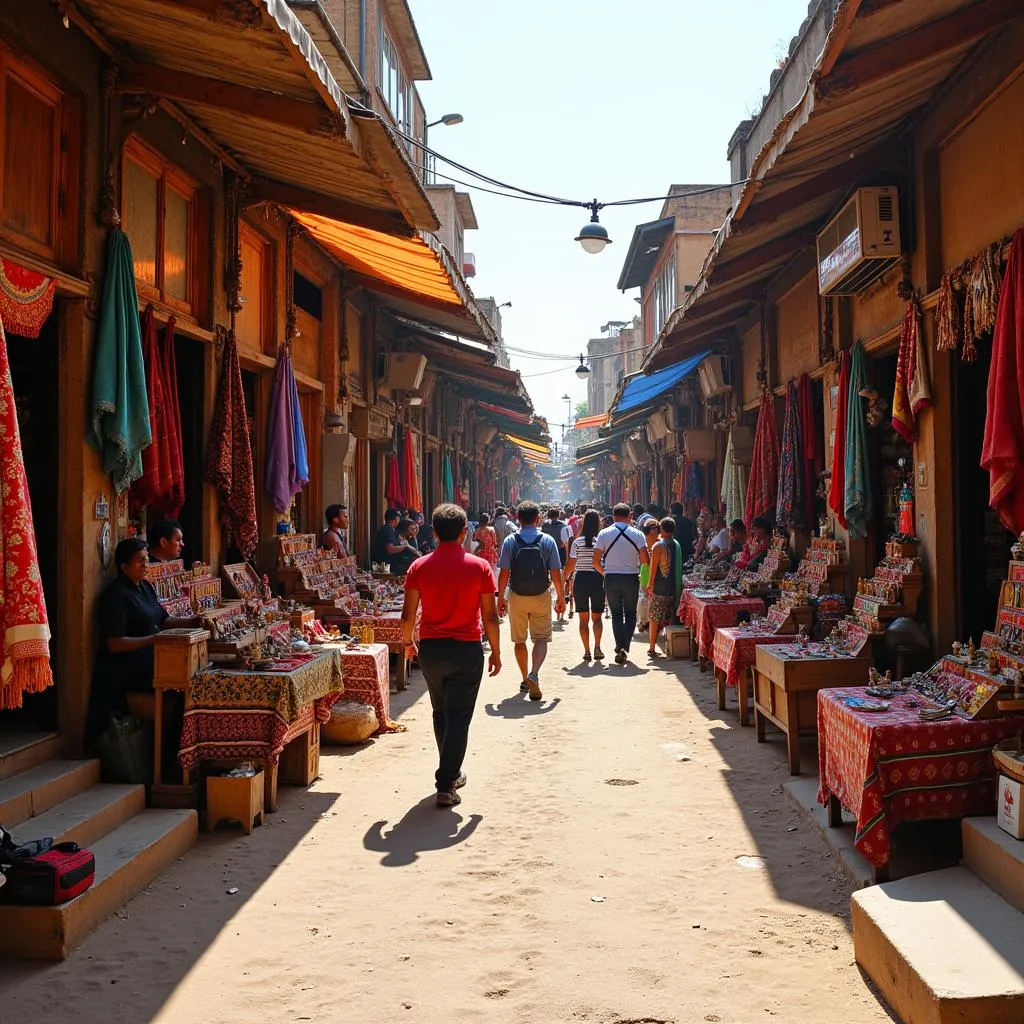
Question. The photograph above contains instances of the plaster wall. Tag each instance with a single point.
(797, 326)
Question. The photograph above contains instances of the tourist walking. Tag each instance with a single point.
(665, 584)
(455, 591)
(529, 565)
(560, 533)
(619, 551)
(488, 541)
(587, 584)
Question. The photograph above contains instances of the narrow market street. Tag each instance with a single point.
(624, 852)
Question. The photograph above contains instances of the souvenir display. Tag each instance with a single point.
(771, 570)
(895, 588)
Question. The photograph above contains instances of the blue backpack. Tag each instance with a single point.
(529, 574)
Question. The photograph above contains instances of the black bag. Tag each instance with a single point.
(125, 751)
(553, 528)
(529, 574)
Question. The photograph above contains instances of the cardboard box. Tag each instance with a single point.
(675, 641)
(1008, 807)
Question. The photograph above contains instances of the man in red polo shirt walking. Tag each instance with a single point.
(456, 592)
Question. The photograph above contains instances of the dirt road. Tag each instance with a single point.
(624, 853)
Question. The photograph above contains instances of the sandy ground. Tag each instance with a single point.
(550, 895)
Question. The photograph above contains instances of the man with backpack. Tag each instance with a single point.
(529, 565)
(560, 533)
(619, 551)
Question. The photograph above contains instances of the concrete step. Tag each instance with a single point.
(21, 751)
(87, 816)
(127, 859)
(943, 948)
(39, 788)
(995, 857)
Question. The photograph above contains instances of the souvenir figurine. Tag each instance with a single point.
(907, 527)
(971, 649)
(1017, 551)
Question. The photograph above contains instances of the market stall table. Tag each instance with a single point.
(734, 653)
(891, 767)
(787, 678)
(364, 670)
(387, 629)
(242, 714)
(705, 614)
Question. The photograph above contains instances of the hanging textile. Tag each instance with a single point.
(837, 485)
(981, 305)
(948, 316)
(120, 427)
(762, 487)
(155, 480)
(412, 482)
(857, 501)
(789, 497)
(26, 299)
(229, 465)
(1002, 455)
(174, 499)
(286, 470)
(913, 393)
(813, 460)
(447, 483)
(26, 634)
(694, 484)
(734, 488)
(393, 486)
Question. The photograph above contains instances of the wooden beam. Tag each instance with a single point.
(752, 261)
(182, 86)
(932, 39)
(869, 8)
(242, 13)
(327, 206)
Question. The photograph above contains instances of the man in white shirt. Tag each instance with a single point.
(720, 546)
(619, 551)
(502, 525)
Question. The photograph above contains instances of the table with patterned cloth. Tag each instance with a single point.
(889, 767)
(705, 615)
(364, 671)
(239, 714)
(387, 629)
(734, 651)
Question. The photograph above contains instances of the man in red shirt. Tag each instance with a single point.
(456, 592)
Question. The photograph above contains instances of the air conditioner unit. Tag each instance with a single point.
(741, 445)
(700, 445)
(861, 242)
(711, 374)
(404, 371)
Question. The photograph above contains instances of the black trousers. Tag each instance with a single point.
(453, 670)
(623, 592)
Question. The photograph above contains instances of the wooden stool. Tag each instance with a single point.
(232, 798)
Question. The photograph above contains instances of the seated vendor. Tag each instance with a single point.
(335, 538)
(386, 542)
(130, 616)
(408, 552)
(165, 541)
(722, 546)
(755, 547)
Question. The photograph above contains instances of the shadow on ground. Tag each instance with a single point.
(424, 827)
(520, 706)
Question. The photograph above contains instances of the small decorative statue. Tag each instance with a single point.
(1017, 551)
(908, 526)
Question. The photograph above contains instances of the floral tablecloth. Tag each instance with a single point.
(234, 714)
(735, 649)
(367, 679)
(707, 615)
(387, 627)
(889, 767)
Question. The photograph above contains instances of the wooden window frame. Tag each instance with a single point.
(169, 176)
(256, 239)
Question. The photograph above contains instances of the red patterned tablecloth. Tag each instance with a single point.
(387, 628)
(889, 767)
(707, 615)
(364, 672)
(735, 649)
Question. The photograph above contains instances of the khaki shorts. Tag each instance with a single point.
(531, 613)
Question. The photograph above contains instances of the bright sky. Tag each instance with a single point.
(577, 99)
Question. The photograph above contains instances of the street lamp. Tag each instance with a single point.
(593, 236)
(582, 371)
(447, 120)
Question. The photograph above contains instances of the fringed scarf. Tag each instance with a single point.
(788, 511)
(837, 485)
(734, 487)
(813, 460)
(174, 499)
(155, 480)
(26, 299)
(229, 456)
(26, 635)
(762, 488)
(412, 482)
(287, 469)
(857, 502)
(913, 394)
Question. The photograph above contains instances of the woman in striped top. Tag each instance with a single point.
(587, 584)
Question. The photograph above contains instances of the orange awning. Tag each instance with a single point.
(529, 446)
(591, 421)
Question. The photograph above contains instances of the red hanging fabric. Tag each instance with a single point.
(154, 483)
(763, 485)
(814, 448)
(393, 490)
(837, 487)
(26, 299)
(412, 482)
(174, 498)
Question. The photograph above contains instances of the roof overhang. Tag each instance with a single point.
(883, 61)
(401, 23)
(644, 250)
(247, 74)
(325, 36)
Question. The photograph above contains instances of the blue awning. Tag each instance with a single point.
(644, 390)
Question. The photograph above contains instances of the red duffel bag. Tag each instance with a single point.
(54, 876)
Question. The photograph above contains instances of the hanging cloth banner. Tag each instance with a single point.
(762, 488)
(447, 482)
(26, 299)
(913, 394)
(287, 469)
(837, 485)
(229, 465)
(174, 498)
(1002, 454)
(393, 487)
(412, 482)
(25, 634)
(734, 487)
(788, 504)
(857, 501)
(120, 429)
(813, 460)
(155, 481)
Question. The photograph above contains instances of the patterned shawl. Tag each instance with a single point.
(26, 634)
(813, 460)
(175, 497)
(734, 487)
(412, 482)
(229, 456)
(837, 486)
(155, 481)
(120, 427)
(287, 470)
(857, 501)
(26, 299)
(913, 393)
(1002, 455)
(762, 488)
(788, 510)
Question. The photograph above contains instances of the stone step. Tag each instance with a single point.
(943, 948)
(21, 751)
(87, 816)
(995, 857)
(39, 788)
(127, 859)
